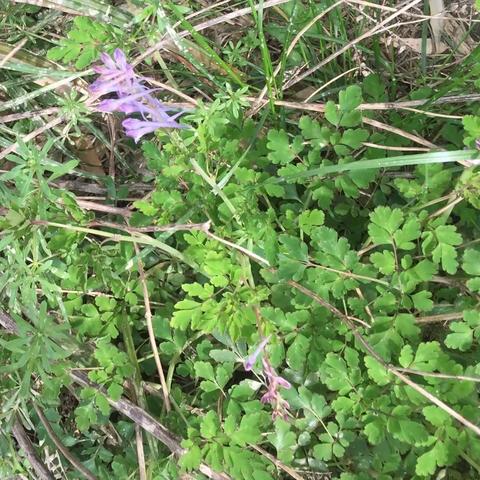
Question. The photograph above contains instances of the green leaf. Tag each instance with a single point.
(332, 113)
(448, 234)
(191, 459)
(461, 339)
(309, 219)
(384, 261)
(447, 256)
(323, 451)
(115, 391)
(405, 325)
(409, 232)
(335, 373)
(406, 356)
(384, 223)
(297, 352)
(377, 372)
(422, 301)
(248, 431)
(204, 370)
(210, 425)
(284, 440)
(436, 416)
(426, 464)
(354, 138)
(102, 404)
(375, 431)
(471, 261)
(222, 355)
(404, 429)
(311, 130)
(425, 270)
(350, 98)
(281, 152)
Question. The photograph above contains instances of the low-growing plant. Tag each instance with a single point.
(294, 296)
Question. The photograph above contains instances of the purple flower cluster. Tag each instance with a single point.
(117, 76)
(273, 381)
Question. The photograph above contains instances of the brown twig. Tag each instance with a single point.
(74, 461)
(15, 117)
(172, 227)
(142, 469)
(26, 445)
(13, 51)
(277, 462)
(444, 317)
(99, 207)
(399, 131)
(7, 322)
(421, 373)
(146, 421)
(151, 333)
(30, 136)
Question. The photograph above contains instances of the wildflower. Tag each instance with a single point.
(138, 128)
(273, 381)
(117, 76)
(253, 357)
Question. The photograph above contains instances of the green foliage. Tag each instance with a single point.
(84, 42)
(318, 224)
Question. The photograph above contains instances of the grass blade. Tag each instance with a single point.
(387, 162)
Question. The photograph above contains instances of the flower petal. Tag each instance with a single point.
(250, 361)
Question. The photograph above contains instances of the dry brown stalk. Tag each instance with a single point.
(151, 332)
(74, 461)
(26, 445)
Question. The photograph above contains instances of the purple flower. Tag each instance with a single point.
(138, 128)
(250, 361)
(273, 381)
(117, 76)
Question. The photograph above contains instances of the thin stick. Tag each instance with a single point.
(142, 469)
(402, 133)
(172, 227)
(444, 317)
(7, 322)
(290, 471)
(431, 114)
(30, 136)
(245, 251)
(400, 105)
(172, 90)
(412, 371)
(147, 422)
(14, 117)
(13, 51)
(26, 445)
(295, 79)
(396, 149)
(326, 84)
(151, 333)
(74, 461)
(89, 205)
